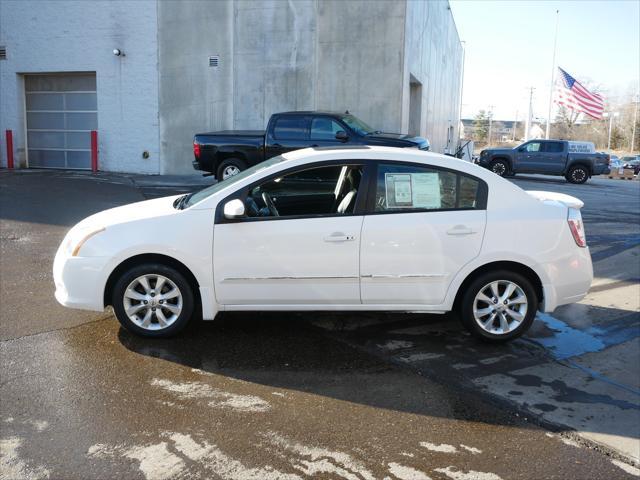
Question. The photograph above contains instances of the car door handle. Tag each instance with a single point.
(339, 237)
(459, 230)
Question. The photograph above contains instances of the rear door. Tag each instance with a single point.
(553, 158)
(424, 225)
(286, 133)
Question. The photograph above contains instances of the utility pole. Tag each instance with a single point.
(515, 126)
(553, 73)
(611, 116)
(490, 120)
(527, 127)
(635, 120)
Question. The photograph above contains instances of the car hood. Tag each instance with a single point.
(128, 213)
(398, 136)
(498, 150)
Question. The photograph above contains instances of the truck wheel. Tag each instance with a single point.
(229, 168)
(577, 174)
(500, 167)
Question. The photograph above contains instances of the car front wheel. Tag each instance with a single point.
(498, 306)
(153, 300)
(500, 167)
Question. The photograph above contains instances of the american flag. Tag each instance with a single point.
(571, 94)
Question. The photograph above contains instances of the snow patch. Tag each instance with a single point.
(418, 357)
(321, 460)
(40, 425)
(220, 398)
(407, 473)
(627, 468)
(456, 474)
(396, 345)
(13, 467)
(156, 461)
(443, 447)
(473, 450)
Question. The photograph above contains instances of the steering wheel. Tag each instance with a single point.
(268, 201)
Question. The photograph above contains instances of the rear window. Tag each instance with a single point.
(553, 147)
(291, 128)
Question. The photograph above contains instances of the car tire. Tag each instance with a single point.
(143, 310)
(500, 168)
(493, 320)
(577, 174)
(229, 168)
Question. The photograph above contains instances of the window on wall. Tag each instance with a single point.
(406, 188)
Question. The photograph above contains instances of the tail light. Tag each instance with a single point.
(577, 227)
(196, 150)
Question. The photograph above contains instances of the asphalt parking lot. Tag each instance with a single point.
(269, 396)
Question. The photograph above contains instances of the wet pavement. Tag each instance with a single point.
(265, 396)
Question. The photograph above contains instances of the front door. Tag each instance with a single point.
(298, 245)
(427, 224)
(530, 158)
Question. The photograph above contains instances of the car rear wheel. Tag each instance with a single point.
(500, 167)
(577, 174)
(229, 168)
(153, 300)
(498, 306)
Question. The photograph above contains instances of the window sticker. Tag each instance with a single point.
(413, 190)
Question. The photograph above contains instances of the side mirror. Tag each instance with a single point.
(521, 149)
(342, 136)
(234, 209)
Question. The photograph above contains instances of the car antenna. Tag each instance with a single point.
(346, 112)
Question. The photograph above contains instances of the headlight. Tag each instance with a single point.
(75, 241)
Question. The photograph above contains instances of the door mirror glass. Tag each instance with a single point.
(342, 136)
(234, 209)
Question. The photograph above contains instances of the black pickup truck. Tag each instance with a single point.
(576, 161)
(228, 152)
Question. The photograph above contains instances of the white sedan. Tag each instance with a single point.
(348, 229)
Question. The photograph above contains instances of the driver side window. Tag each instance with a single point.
(533, 147)
(330, 190)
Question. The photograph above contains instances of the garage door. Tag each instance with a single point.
(61, 112)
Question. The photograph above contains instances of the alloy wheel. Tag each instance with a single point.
(152, 302)
(499, 168)
(500, 307)
(230, 171)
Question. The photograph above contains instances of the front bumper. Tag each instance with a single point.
(79, 281)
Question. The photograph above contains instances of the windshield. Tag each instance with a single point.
(357, 125)
(196, 197)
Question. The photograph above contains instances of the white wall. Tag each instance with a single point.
(433, 56)
(71, 36)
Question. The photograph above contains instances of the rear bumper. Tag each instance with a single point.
(569, 279)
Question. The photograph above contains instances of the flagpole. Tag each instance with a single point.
(553, 73)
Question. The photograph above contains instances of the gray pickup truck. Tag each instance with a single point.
(576, 161)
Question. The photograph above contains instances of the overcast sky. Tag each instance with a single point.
(509, 47)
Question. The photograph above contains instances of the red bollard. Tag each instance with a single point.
(9, 134)
(94, 151)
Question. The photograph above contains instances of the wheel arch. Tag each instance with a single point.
(150, 258)
(517, 267)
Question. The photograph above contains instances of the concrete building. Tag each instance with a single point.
(194, 66)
